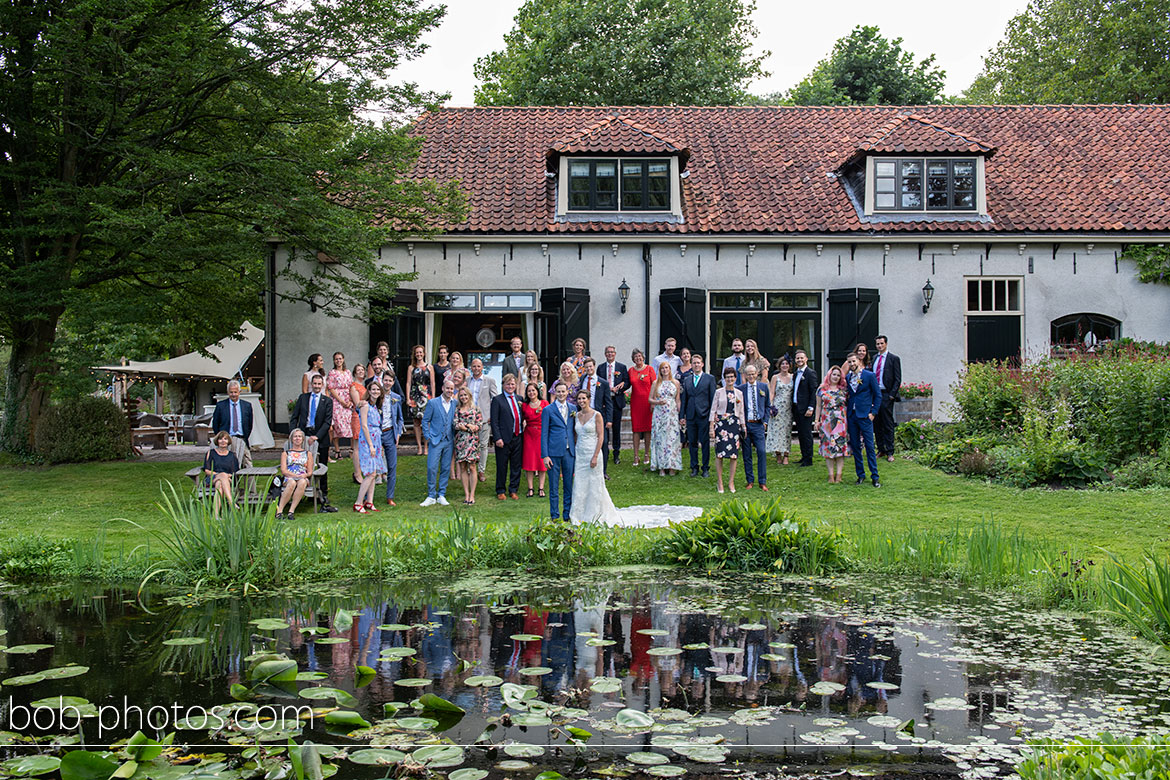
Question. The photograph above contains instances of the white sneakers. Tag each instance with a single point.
(429, 502)
(442, 501)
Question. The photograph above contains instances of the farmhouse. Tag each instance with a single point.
(962, 233)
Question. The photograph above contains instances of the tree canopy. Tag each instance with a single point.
(151, 151)
(1080, 51)
(866, 68)
(623, 52)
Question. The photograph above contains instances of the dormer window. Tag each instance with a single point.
(924, 184)
(643, 184)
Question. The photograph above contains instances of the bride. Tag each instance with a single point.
(591, 501)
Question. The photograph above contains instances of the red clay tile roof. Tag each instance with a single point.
(617, 134)
(773, 170)
(917, 135)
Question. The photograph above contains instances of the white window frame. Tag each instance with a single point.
(563, 185)
(980, 184)
(1019, 280)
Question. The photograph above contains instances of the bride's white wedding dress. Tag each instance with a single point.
(591, 501)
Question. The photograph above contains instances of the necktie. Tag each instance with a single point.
(564, 412)
(235, 417)
(611, 376)
(878, 369)
(515, 416)
(696, 380)
(752, 402)
(796, 383)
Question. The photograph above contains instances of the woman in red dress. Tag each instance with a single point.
(530, 460)
(641, 378)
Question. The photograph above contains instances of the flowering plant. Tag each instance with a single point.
(291, 405)
(916, 390)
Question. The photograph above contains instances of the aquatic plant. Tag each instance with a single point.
(753, 536)
(1140, 596)
(1101, 758)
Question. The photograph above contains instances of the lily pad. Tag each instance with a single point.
(61, 672)
(884, 721)
(606, 686)
(311, 676)
(438, 756)
(883, 686)
(518, 750)
(25, 679)
(826, 688)
(331, 640)
(377, 757)
(484, 681)
(31, 766)
(781, 645)
(467, 774)
(702, 753)
(665, 770)
(398, 652)
(343, 698)
(526, 637)
(637, 719)
(270, 624)
(430, 701)
(645, 758)
(413, 682)
(727, 650)
(513, 766)
(652, 632)
(393, 627)
(346, 718)
(536, 671)
(697, 646)
(25, 649)
(58, 702)
(752, 627)
(771, 657)
(599, 642)
(731, 678)
(416, 724)
(185, 641)
(530, 719)
(664, 651)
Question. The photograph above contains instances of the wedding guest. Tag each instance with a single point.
(736, 359)
(641, 377)
(235, 416)
(420, 388)
(370, 456)
(219, 468)
(296, 469)
(755, 411)
(316, 367)
(313, 413)
(376, 372)
(393, 423)
(865, 399)
(569, 378)
(665, 445)
(684, 355)
(698, 393)
(578, 358)
(483, 390)
(357, 394)
(382, 351)
(536, 377)
(752, 357)
(442, 365)
(615, 375)
(468, 421)
(531, 359)
(779, 438)
(804, 394)
(600, 399)
(338, 382)
(726, 426)
(439, 429)
(456, 361)
(832, 422)
(506, 426)
(887, 367)
(531, 462)
(514, 363)
(862, 352)
(668, 356)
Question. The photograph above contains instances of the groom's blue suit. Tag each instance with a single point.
(558, 444)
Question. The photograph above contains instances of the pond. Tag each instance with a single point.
(608, 674)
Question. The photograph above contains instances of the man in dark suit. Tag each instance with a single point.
(756, 400)
(505, 424)
(514, 363)
(313, 414)
(887, 367)
(601, 399)
(558, 450)
(235, 416)
(804, 404)
(617, 378)
(698, 391)
(865, 399)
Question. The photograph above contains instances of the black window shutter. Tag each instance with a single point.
(401, 331)
(683, 314)
(563, 316)
(853, 317)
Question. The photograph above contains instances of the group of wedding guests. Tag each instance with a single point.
(458, 415)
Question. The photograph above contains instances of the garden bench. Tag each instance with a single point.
(249, 481)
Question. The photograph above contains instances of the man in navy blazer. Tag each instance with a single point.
(865, 400)
(235, 416)
(616, 376)
(313, 414)
(755, 411)
(439, 430)
(506, 424)
(698, 391)
(558, 449)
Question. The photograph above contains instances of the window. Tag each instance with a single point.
(644, 185)
(1085, 331)
(450, 301)
(793, 301)
(487, 301)
(519, 301)
(991, 296)
(924, 184)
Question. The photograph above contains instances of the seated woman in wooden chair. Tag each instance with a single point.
(219, 467)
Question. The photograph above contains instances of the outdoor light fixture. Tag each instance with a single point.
(624, 294)
(927, 294)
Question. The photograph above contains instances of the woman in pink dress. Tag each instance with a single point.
(642, 377)
(357, 394)
(337, 384)
(832, 421)
(530, 460)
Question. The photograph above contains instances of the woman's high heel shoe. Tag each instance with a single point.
(360, 508)
(370, 507)
(530, 493)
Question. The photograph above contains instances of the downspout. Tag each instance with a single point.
(646, 288)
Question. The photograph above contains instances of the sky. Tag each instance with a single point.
(799, 34)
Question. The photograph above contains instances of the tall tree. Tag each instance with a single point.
(868, 69)
(1080, 51)
(623, 52)
(151, 149)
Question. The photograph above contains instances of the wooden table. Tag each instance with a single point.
(248, 482)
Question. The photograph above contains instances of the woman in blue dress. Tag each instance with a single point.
(371, 459)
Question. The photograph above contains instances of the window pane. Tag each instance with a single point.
(911, 201)
(936, 200)
(605, 182)
(509, 301)
(794, 301)
(579, 169)
(660, 201)
(884, 168)
(885, 200)
(964, 200)
(1000, 295)
(964, 168)
(1014, 295)
(912, 184)
(579, 200)
(658, 185)
(632, 185)
(972, 295)
(450, 301)
(737, 300)
(658, 168)
(985, 296)
(884, 184)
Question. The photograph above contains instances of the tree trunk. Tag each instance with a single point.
(30, 368)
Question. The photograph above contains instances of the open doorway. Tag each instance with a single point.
(485, 335)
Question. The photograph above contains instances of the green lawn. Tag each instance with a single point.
(78, 501)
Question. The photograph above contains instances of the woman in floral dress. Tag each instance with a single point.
(665, 441)
(727, 425)
(468, 420)
(420, 388)
(779, 437)
(831, 422)
(337, 384)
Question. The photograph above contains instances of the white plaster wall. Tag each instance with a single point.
(932, 346)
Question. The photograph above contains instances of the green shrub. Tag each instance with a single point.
(32, 558)
(1143, 472)
(751, 536)
(989, 398)
(915, 435)
(947, 454)
(82, 429)
(1140, 597)
(1102, 758)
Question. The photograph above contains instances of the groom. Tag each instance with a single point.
(557, 448)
